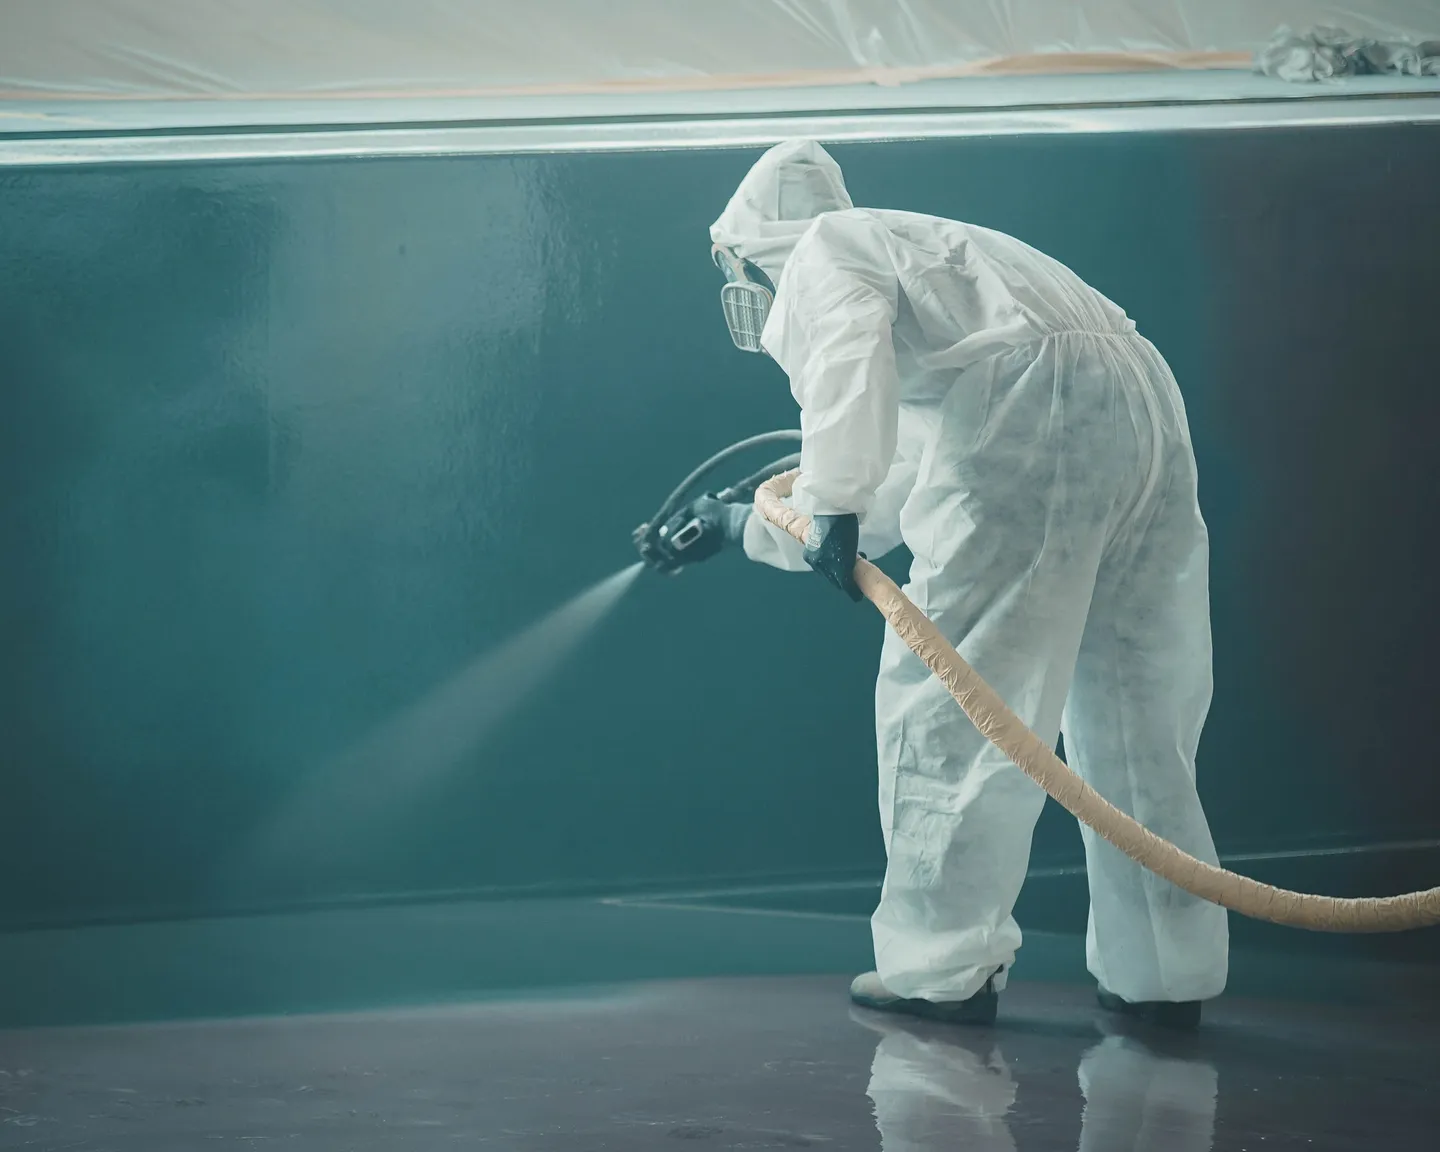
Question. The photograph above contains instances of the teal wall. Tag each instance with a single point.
(287, 444)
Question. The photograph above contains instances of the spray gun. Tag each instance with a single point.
(668, 538)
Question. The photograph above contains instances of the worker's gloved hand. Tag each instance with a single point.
(700, 530)
(831, 548)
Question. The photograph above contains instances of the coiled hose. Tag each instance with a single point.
(1008, 732)
(677, 494)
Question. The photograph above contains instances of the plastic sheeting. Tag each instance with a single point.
(288, 49)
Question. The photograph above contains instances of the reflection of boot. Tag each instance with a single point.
(1137, 1101)
(1183, 1016)
(932, 1091)
(868, 992)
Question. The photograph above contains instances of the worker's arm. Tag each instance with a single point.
(830, 330)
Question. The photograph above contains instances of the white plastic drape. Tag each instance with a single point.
(293, 49)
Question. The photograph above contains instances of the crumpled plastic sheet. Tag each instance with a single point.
(1330, 53)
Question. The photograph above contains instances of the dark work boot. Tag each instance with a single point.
(980, 1009)
(1181, 1016)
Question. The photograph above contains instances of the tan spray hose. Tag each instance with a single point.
(1008, 733)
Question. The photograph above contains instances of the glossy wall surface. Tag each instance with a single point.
(287, 446)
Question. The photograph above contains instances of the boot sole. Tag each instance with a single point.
(979, 1011)
(1184, 1017)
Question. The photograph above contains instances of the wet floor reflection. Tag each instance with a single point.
(1138, 1099)
(935, 1088)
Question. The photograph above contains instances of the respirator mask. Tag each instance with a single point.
(745, 299)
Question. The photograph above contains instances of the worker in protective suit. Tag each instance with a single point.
(972, 398)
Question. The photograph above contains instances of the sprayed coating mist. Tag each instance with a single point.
(437, 733)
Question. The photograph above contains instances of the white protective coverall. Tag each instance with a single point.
(972, 398)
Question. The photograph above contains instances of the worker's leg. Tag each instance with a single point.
(1008, 530)
(1132, 726)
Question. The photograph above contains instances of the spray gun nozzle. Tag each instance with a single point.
(655, 551)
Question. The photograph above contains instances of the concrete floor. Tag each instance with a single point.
(729, 1064)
